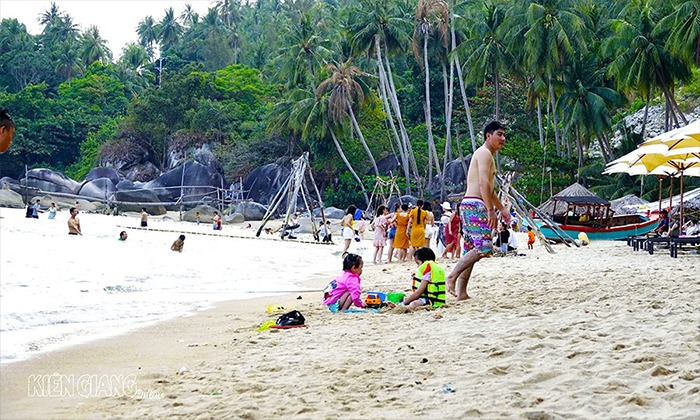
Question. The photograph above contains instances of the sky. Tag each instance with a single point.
(116, 19)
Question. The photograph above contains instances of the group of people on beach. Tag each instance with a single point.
(479, 212)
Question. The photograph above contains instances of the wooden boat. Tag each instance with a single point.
(592, 215)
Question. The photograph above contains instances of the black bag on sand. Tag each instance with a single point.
(290, 319)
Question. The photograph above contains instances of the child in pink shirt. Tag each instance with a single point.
(345, 289)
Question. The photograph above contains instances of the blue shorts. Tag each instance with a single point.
(391, 234)
(334, 307)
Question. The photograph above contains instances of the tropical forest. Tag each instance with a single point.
(357, 84)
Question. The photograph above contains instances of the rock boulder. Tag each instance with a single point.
(330, 212)
(51, 181)
(251, 210)
(109, 173)
(102, 188)
(264, 182)
(133, 200)
(10, 199)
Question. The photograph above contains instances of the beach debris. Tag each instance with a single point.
(448, 389)
(266, 325)
(182, 370)
(424, 360)
(299, 297)
(437, 316)
(196, 344)
(275, 308)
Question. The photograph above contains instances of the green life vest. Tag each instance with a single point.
(435, 292)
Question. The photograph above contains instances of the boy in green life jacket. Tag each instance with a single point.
(428, 282)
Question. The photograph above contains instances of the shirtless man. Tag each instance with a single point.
(478, 210)
(74, 223)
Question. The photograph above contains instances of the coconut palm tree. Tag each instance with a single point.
(93, 47)
(547, 32)
(375, 25)
(485, 51)
(68, 59)
(585, 101)
(168, 30)
(640, 59)
(432, 18)
(683, 27)
(314, 119)
(346, 92)
(189, 16)
(148, 33)
(304, 53)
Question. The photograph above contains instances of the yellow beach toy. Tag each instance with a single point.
(271, 309)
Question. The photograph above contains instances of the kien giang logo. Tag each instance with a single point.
(86, 386)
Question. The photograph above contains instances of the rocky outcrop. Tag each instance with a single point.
(655, 121)
(454, 177)
(387, 166)
(102, 188)
(206, 214)
(139, 198)
(195, 175)
(11, 199)
(142, 172)
(109, 173)
(330, 212)
(405, 199)
(251, 211)
(9, 183)
(264, 182)
(234, 218)
(50, 181)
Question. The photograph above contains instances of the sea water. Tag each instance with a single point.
(58, 289)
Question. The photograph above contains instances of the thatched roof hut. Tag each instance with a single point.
(628, 204)
(575, 192)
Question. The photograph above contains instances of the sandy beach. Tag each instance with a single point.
(596, 332)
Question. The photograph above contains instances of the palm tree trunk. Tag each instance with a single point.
(387, 108)
(671, 98)
(579, 149)
(356, 126)
(461, 79)
(402, 128)
(646, 116)
(347, 163)
(539, 122)
(554, 116)
(428, 114)
(497, 92)
(448, 123)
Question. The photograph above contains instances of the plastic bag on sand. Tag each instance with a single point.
(291, 318)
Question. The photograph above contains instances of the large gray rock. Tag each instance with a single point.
(110, 173)
(133, 200)
(126, 185)
(405, 199)
(264, 182)
(387, 166)
(11, 199)
(454, 177)
(101, 188)
(51, 181)
(251, 210)
(142, 172)
(206, 214)
(330, 212)
(234, 218)
(200, 179)
(9, 183)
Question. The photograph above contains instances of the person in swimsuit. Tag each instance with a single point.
(478, 210)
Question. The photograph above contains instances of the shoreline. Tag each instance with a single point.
(595, 332)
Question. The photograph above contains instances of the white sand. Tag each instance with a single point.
(597, 332)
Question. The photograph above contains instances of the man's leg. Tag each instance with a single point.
(464, 265)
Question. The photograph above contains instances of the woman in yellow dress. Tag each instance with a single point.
(401, 238)
(416, 224)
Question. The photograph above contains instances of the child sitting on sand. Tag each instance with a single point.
(178, 244)
(428, 281)
(345, 289)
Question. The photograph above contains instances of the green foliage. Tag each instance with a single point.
(90, 148)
